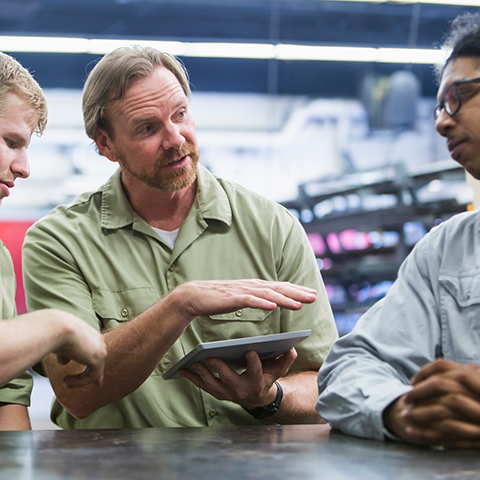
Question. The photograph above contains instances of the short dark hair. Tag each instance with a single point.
(462, 40)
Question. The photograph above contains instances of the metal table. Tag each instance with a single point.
(235, 453)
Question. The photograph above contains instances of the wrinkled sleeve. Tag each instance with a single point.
(52, 278)
(299, 266)
(369, 368)
(18, 390)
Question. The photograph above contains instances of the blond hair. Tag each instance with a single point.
(16, 79)
(113, 75)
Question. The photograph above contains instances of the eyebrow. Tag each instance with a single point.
(147, 118)
(17, 137)
(140, 120)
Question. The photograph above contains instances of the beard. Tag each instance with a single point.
(176, 180)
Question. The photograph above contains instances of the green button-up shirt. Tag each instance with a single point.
(18, 390)
(100, 260)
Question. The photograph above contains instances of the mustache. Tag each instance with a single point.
(175, 155)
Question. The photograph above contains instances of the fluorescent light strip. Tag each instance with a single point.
(226, 50)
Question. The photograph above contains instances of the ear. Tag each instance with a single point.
(104, 145)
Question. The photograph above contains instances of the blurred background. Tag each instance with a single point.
(323, 106)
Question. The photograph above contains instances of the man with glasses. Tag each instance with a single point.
(410, 370)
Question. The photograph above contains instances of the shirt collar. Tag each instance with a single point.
(211, 201)
(116, 209)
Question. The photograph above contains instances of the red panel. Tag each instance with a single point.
(12, 235)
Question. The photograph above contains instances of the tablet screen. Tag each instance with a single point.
(232, 352)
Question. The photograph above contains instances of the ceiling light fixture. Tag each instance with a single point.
(225, 50)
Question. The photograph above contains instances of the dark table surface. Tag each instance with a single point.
(234, 453)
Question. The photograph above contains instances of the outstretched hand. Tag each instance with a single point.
(213, 297)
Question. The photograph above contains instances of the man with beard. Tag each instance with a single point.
(410, 370)
(156, 260)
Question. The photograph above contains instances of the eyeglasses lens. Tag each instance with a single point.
(452, 100)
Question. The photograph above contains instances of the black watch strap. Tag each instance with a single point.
(271, 409)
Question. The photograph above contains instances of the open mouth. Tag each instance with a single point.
(176, 162)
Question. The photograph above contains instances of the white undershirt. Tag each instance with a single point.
(168, 237)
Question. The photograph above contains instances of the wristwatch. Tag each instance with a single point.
(271, 409)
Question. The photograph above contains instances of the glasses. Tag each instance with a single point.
(452, 98)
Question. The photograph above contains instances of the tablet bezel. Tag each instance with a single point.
(233, 351)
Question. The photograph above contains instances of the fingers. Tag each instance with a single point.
(88, 375)
(193, 377)
(279, 367)
(207, 381)
(288, 293)
(251, 384)
(440, 410)
(453, 406)
(252, 388)
(433, 387)
(447, 432)
(446, 378)
(199, 298)
(433, 368)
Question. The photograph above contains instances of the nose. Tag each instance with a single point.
(20, 166)
(172, 137)
(444, 123)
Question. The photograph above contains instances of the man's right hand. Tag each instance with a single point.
(156, 330)
(443, 408)
(86, 346)
(201, 298)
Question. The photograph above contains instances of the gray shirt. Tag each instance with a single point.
(431, 311)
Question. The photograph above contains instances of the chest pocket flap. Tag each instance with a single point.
(246, 314)
(119, 306)
(465, 289)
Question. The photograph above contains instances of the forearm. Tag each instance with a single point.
(14, 417)
(134, 350)
(26, 339)
(300, 392)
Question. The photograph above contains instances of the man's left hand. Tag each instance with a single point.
(250, 389)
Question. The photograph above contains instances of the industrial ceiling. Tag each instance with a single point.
(306, 22)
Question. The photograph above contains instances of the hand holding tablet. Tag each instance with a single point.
(232, 352)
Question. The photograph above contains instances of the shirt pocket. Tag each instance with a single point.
(460, 316)
(116, 307)
(246, 322)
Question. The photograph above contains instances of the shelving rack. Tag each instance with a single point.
(396, 203)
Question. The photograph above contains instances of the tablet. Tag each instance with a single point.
(232, 352)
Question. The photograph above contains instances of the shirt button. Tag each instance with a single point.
(239, 313)
(124, 312)
(172, 267)
(469, 295)
(212, 412)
